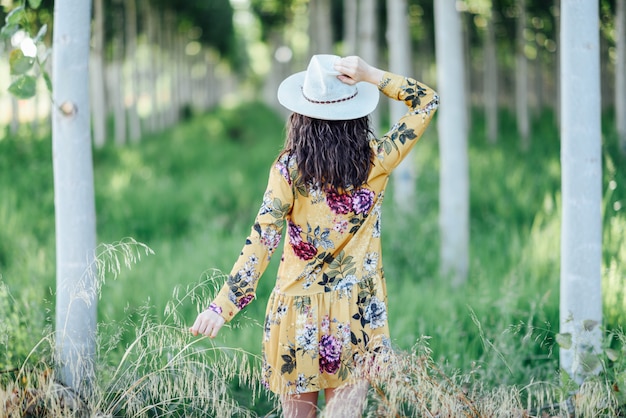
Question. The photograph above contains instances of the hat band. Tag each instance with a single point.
(329, 101)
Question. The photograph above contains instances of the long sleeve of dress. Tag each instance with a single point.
(421, 102)
(264, 238)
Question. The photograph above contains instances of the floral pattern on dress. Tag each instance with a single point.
(327, 314)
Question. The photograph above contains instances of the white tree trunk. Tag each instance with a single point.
(367, 47)
(152, 22)
(620, 74)
(490, 99)
(351, 15)
(581, 226)
(399, 41)
(320, 27)
(131, 79)
(75, 216)
(454, 174)
(521, 77)
(96, 69)
(557, 27)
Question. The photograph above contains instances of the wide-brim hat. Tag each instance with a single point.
(319, 94)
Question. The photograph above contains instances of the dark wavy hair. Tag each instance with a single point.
(330, 153)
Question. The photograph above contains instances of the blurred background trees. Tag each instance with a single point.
(155, 62)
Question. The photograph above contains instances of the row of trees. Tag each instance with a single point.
(146, 71)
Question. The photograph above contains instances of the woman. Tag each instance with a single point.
(328, 310)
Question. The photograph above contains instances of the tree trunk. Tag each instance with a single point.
(320, 27)
(581, 157)
(620, 74)
(131, 80)
(96, 69)
(399, 41)
(557, 27)
(368, 47)
(116, 78)
(74, 203)
(521, 77)
(350, 13)
(490, 99)
(454, 174)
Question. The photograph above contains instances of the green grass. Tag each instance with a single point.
(192, 192)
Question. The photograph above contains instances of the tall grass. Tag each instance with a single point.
(191, 194)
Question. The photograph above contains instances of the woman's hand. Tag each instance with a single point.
(354, 69)
(207, 323)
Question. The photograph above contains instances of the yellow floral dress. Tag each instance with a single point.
(329, 305)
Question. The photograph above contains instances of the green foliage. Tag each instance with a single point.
(26, 69)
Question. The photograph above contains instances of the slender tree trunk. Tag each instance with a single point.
(521, 77)
(350, 14)
(368, 47)
(320, 27)
(74, 203)
(581, 156)
(620, 74)
(399, 41)
(491, 81)
(116, 77)
(557, 26)
(454, 165)
(131, 80)
(96, 69)
(152, 18)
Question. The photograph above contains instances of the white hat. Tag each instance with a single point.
(319, 94)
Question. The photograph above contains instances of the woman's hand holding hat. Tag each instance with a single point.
(354, 69)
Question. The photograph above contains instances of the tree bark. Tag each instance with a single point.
(320, 27)
(581, 156)
(74, 203)
(350, 13)
(491, 81)
(368, 47)
(620, 74)
(521, 77)
(96, 69)
(454, 165)
(131, 80)
(399, 41)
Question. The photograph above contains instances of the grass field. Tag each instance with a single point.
(191, 193)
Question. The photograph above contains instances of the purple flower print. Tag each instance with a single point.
(270, 238)
(241, 303)
(294, 233)
(217, 309)
(330, 354)
(362, 201)
(338, 203)
(304, 250)
(282, 168)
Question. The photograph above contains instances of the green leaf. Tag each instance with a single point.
(42, 32)
(564, 340)
(34, 4)
(15, 16)
(20, 63)
(612, 354)
(8, 30)
(48, 81)
(589, 362)
(24, 87)
(589, 324)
